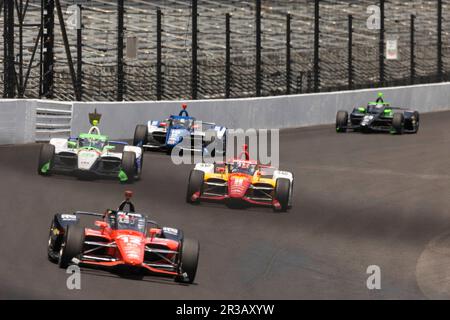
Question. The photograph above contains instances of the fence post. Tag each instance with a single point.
(48, 43)
(8, 34)
(66, 46)
(227, 56)
(440, 65)
(79, 55)
(412, 50)
(20, 15)
(350, 51)
(194, 75)
(120, 36)
(288, 54)
(381, 44)
(316, 46)
(258, 48)
(159, 80)
(299, 84)
(309, 84)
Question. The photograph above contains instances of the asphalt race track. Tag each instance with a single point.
(360, 200)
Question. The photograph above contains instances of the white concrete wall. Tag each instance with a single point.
(119, 119)
(17, 121)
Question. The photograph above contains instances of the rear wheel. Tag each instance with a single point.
(188, 261)
(140, 135)
(341, 121)
(195, 184)
(46, 159)
(417, 122)
(129, 166)
(72, 245)
(398, 123)
(282, 193)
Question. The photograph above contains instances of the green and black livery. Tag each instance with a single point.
(378, 116)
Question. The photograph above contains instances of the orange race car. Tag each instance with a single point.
(123, 240)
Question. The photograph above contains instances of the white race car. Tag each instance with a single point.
(91, 155)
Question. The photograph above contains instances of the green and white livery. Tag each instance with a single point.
(91, 155)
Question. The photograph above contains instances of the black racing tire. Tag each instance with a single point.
(291, 194)
(52, 251)
(139, 173)
(140, 135)
(341, 121)
(46, 155)
(189, 254)
(398, 123)
(72, 245)
(129, 165)
(195, 184)
(282, 193)
(417, 125)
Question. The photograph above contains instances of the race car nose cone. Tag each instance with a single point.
(133, 258)
(133, 262)
(131, 249)
(238, 186)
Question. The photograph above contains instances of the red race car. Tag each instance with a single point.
(240, 182)
(124, 240)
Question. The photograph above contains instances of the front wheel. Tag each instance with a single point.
(46, 159)
(55, 238)
(188, 261)
(128, 167)
(416, 125)
(195, 185)
(282, 194)
(141, 163)
(398, 123)
(72, 245)
(341, 121)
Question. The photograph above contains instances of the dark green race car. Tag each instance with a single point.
(379, 116)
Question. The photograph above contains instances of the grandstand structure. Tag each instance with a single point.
(148, 50)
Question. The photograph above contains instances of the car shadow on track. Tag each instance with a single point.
(103, 181)
(97, 272)
(205, 204)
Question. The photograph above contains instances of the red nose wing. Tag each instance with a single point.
(131, 248)
(238, 185)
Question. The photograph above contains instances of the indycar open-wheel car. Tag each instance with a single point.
(181, 133)
(123, 240)
(378, 116)
(91, 155)
(241, 181)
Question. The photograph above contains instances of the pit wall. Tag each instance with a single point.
(119, 119)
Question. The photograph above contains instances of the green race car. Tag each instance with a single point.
(91, 155)
(379, 116)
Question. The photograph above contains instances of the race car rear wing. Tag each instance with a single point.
(85, 213)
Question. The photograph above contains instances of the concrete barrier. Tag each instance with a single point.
(119, 119)
(292, 111)
(17, 121)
